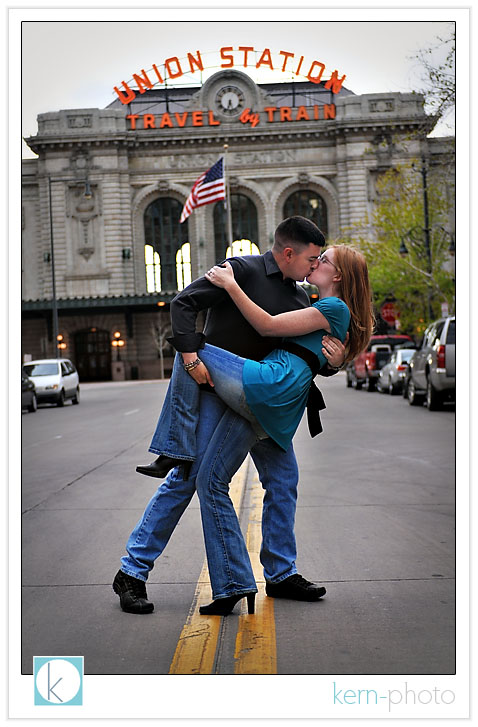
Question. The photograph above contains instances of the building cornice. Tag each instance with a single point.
(268, 134)
(147, 300)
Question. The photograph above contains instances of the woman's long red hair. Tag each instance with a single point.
(354, 289)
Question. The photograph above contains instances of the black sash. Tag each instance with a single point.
(315, 401)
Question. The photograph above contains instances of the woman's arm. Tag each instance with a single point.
(292, 323)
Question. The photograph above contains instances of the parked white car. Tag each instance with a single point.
(29, 397)
(392, 375)
(55, 379)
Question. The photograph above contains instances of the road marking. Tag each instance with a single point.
(255, 650)
(133, 411)
(42, 444)
(196, 649)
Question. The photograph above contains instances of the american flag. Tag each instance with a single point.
(208, 188)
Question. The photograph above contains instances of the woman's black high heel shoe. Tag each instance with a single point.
(162, 465)
(224, 606)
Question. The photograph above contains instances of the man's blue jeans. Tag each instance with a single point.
(221, 442)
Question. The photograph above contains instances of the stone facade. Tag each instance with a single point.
(99, 257)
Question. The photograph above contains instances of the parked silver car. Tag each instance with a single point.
(391, 377)
(29, 397)
(432, 366)
(55, 379)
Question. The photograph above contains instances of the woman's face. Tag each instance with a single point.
(326, 272)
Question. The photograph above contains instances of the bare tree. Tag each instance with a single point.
(438, 78)
(160, 331)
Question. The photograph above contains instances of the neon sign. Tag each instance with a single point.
(232, 57)
(207, 118)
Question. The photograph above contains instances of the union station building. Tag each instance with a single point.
(102, 201)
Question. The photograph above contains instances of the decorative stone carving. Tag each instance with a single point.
(80, 122)
(383, 148)
(84, 208)
(86, 252)
(163, 185)
(382, 106)
(84, 224)
(303, 178)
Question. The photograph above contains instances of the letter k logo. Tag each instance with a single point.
(50, 688)
(58, 680)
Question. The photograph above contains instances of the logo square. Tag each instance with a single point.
(58, 680)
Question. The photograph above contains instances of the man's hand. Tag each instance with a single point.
(199, 373)
(334, 350)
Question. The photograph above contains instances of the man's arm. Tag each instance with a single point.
(197, 296)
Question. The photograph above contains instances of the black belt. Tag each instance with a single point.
(315, 401)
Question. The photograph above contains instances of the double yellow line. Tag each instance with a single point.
(255, 648)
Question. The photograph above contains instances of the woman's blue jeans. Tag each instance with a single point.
(220, 441)
(176, 429)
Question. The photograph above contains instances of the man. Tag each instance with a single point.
(270, 280)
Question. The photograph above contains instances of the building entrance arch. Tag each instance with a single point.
(93, 355)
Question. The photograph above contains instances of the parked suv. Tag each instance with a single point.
(55, 379)
(365, 368)
(432, 366)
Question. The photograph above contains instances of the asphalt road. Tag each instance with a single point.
(375, 524)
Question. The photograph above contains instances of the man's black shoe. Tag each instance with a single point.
(296, 588)
(132, 593)
(162, 465)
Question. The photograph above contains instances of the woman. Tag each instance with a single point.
(270, 394)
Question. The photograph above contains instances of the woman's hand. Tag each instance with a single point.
(221, 275)
(334, 350)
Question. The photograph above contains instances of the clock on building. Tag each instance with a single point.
(230, 100)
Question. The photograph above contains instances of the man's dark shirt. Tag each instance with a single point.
(261, 279)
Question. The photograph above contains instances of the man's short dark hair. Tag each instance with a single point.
(299, 231)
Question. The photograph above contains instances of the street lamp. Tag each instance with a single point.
(54, 305)
(61, 345)
(118, 343)
(422, 234)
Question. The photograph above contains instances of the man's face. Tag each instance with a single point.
(297, 265)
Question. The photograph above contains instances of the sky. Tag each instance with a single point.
(76, 64)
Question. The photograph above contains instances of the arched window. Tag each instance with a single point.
(242, 247)
(164, 237)
(308, 204)
(183, 266)
(153, 269)
(245, 233)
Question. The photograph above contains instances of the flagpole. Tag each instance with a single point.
(228, 199)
